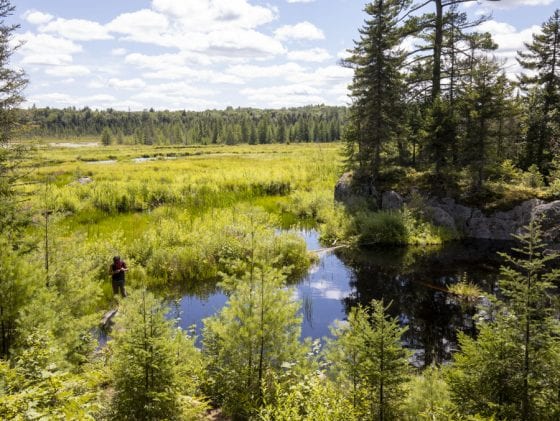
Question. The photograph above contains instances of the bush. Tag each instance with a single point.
(380, 228)
(533, 178)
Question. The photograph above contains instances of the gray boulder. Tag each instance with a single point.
(85, 180)
(391, 200)
(548, 214)
(441, 218)
(347, 187)
(343, 187)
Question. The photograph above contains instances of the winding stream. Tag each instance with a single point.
(414, 280)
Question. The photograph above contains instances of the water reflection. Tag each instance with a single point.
(413, 280)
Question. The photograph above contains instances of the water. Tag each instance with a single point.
(143, 159)
(413, 281)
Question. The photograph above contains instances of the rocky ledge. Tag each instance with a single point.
(467, 222)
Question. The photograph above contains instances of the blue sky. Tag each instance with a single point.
(201, 54)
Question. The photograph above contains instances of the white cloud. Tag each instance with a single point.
(214, 15)
(67, 71)
(509, 40)
(311, 55)
(294, 73)
(36, 17)
(180, 89)
(300, 1)
(250, 71)
(118, 51)
(162, 100)
(214, 28)
(324, 76)
(66, 100)
(510, 4)
(343, 54)
(175, 67)
(302, 31)
(283, 95)
(46, 49)
(142, 26)
(242, 43)
(135, 83)
(507, 36)
(76, 29)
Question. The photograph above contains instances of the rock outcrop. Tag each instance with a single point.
(465, 221)
(472, 223)
(346, 188)
(391, 200)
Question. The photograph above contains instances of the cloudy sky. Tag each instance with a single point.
(201, 54)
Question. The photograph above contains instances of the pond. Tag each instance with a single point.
(413, 281)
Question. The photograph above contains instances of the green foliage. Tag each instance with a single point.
(428, 397)
(380, 228)
(183, 252)
(13, 81)
(532, 177)
(38, 387)
(377, 87)
(230, 126)
(543, 83)
(18, 284)
(369, 363)
(508, 172)
(106, 137)
(511, 369)
(151, 368)
(251, 338)
(312, 398)
(365, 227)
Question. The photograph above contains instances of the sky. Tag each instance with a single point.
(211, 54)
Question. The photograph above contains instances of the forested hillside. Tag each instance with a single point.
(230, 126)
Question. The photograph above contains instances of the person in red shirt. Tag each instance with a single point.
(118, 269)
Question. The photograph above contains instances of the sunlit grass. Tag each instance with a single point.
(181, 217)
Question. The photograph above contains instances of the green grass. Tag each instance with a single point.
(181, 222)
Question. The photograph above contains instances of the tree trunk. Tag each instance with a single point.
(438, 41)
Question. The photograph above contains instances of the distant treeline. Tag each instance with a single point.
(229, 126)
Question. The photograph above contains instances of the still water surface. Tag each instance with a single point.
(414, 280)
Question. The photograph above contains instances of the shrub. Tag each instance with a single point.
(533, 178)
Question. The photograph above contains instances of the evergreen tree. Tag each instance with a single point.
(512, 370)
(17, 286)
(376, 89)
(145, 365)
(483, 101)
(369, 362)
(13, 82)
(543, 58)
(428, 397)
(253, 336)
(106, 137)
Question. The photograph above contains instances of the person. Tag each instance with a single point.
(118, 269)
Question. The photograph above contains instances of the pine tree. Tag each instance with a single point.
(543, 57)
(512, 370)
(145, 367)
(377, 84)
(16, 289)
(106, 137)
(483, 101)
(254, 334)
(13, 82)
(369, 362)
